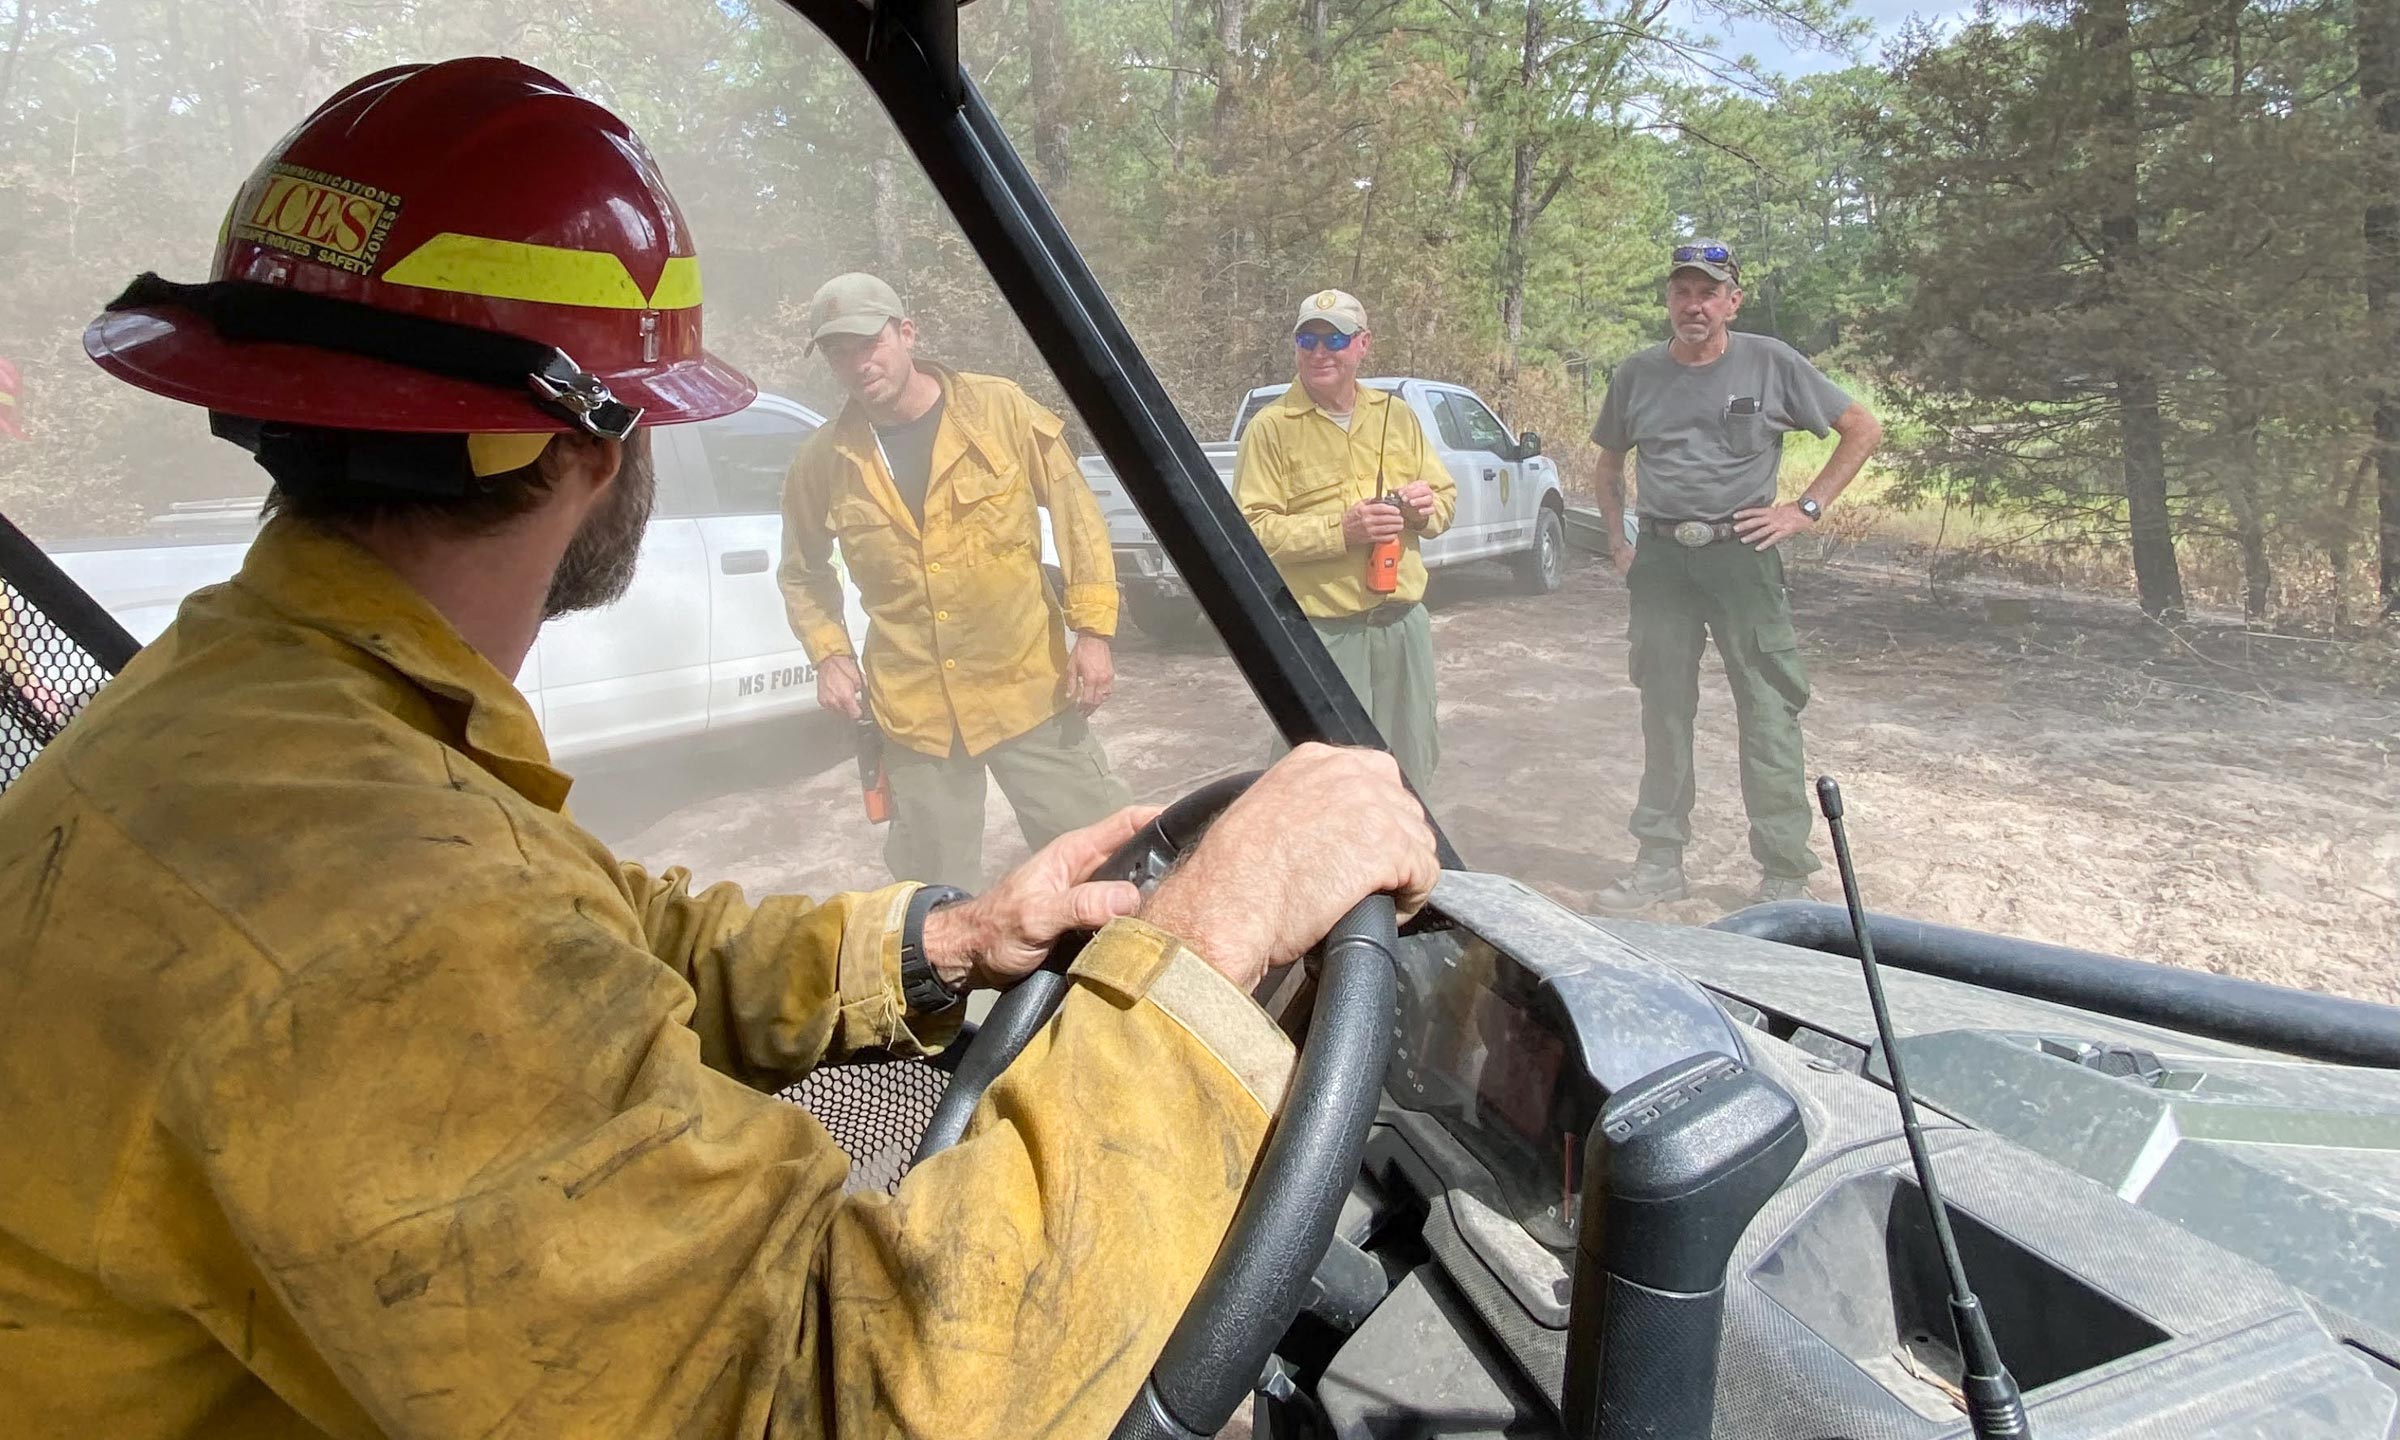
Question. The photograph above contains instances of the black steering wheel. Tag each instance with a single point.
(1286, 1218)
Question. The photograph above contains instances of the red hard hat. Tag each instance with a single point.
(478, 193)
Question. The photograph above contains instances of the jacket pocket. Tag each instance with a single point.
(992, 512)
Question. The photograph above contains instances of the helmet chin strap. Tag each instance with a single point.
(430, 464)
(243, 310)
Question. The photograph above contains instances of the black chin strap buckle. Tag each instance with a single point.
(583, 399)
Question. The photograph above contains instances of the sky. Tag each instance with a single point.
(1886, 16)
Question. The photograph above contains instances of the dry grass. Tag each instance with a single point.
(1952, 542)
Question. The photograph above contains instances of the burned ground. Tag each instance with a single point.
(2034, 763)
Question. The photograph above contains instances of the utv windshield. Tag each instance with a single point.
(2091, 638)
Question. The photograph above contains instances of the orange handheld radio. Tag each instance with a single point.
(1383, 557)
(874, 784)
(874, 781)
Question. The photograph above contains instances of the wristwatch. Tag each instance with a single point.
(921, 985)
(1811, 508)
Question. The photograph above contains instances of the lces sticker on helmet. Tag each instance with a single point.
(319, 217)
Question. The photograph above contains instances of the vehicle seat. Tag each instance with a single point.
(57, 648)
(876, 1110)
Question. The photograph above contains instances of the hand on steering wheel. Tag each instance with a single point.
(1316, 833)
(1009, 931)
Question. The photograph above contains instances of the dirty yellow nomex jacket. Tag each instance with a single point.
(963, 638)
(1298, 470)
(351, 1089)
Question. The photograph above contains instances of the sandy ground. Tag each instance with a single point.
(2036, 764)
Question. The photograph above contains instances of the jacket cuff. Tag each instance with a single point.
(1326, 543)
(1136, 961)
(874, 1014)
(825, 641)
(1092, 608)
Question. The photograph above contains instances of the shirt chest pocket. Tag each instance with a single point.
(991, 514)
(1318, 486)
(1746, 434)
(878, 553)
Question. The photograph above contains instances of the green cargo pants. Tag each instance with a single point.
(1390, 669)
(1733, 594)
(1055, 776)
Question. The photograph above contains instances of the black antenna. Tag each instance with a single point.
(1384, 438)
(1994, 1409)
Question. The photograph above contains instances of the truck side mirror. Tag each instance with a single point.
(1529, 444)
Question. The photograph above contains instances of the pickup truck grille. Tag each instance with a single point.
(1144, 561)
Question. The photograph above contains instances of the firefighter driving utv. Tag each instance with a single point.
(353, 1089)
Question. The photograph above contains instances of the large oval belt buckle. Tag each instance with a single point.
(1692, 534)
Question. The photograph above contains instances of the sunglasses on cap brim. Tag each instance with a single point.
(1706, 255)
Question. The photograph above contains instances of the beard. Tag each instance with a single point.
(598, 566)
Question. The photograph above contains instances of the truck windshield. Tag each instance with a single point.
(2102, 294)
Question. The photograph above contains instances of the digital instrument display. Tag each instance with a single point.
(1474, 1052)
(1509, 1062)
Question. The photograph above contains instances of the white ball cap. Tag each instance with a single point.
(1338, 308)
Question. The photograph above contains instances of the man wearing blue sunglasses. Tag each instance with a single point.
(1707, 412)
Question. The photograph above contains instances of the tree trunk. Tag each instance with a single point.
(2157, 579)
(1524, 161)
(890, 249)
(1514, 263)
(1048, 21)
(1235, 240)
(1470, 112)
(1227, 110)
(1177, 78)
(1462, 162)
(2387, 507)
(2249, 521)
(2377, 23)
(16, 47)
(1366, 224)
(2337, 548)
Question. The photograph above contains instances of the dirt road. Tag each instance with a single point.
(2037, 765)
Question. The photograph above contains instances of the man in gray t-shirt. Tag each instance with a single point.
(1706, 414)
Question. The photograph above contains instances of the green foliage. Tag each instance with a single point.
(2234, 288)
(1497, 179)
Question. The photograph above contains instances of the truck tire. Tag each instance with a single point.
(1175, 622)
(1543, 568)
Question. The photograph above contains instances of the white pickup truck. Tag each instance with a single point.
(1509, 502)
(698, 645)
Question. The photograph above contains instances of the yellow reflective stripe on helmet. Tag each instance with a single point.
(548, 274)
(678, 284)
